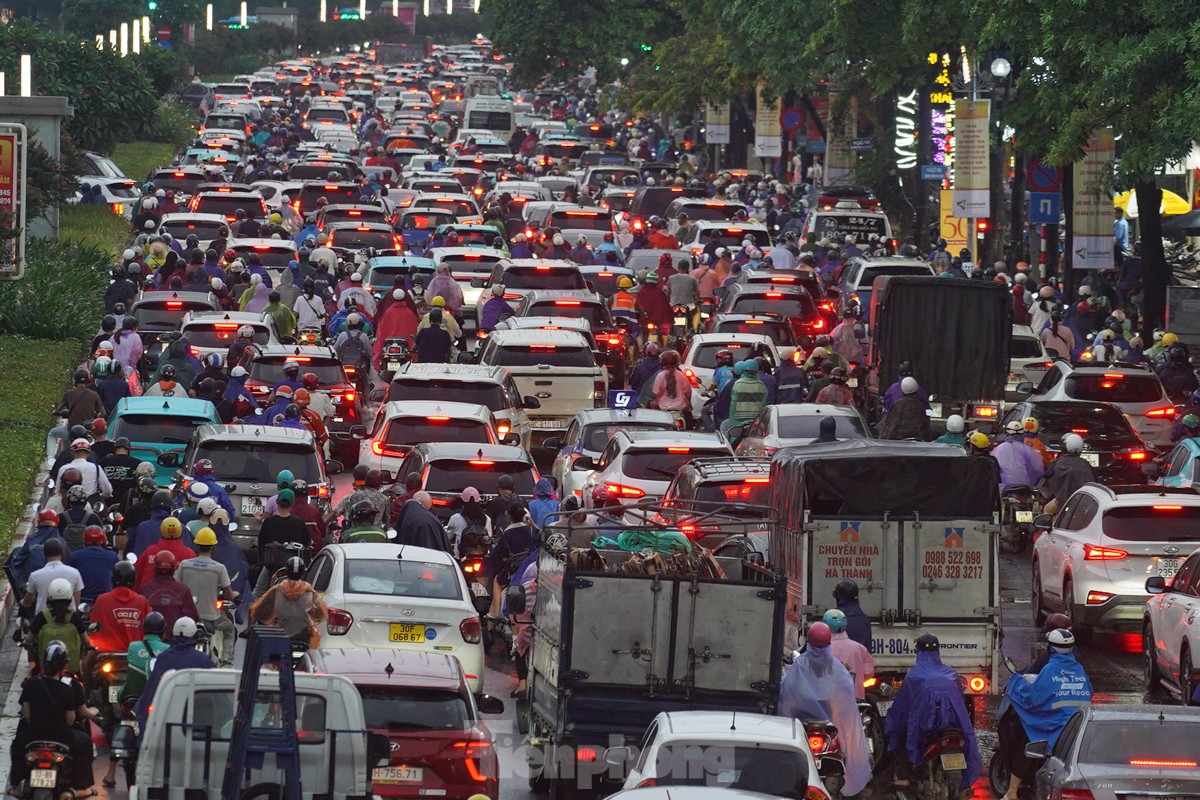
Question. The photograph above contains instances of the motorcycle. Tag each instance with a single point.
(123, 741)
(1019, 505)
(707, 308)
(471, 552)
(872, 710)
(943, 760)
(108, 676)
(681, 327)
(395, 355)
(49, 770)
(827, 752)
(310, 335)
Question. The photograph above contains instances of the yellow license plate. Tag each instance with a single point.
(1024, 516)
(404, 632)
(953, 761)
(398, 774)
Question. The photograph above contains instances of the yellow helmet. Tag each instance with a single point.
(171, 528)
(625, 282)
(275, 218)
(979, 440)
(206, 537)
(1169, 339)
(1030, 424)
(438, 302)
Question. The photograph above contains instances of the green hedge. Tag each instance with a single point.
(62, 293)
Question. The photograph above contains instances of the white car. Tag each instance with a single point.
(211, 332)
(398, 427)
(637, 466)
(1027, 361)
(587, 435)
(183, 224)
(1093, 564)
(119, 194)
(791, 424)
(723, 749)
(402, 597)
(699, 361)
(1171, 629)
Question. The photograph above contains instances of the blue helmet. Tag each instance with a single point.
(835, 619)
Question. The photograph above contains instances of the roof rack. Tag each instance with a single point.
(730, 465)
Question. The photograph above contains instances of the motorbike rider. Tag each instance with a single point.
(858, 624)
(954, 435)
(94, 561)
(748, 395)
(1020, 465)
(906, 417)
(1177, 376)
(1031, 427)
(670, 390)
(1041, 707)
(364, 524)
(293, 605)
(59, 622)
(818, 687)
(170, 541)
(208, 581)
(204, 472)
(1053, 623)
(896, 390)
(165, 593)
(854, 657)
(142, 653)
(116, 615)
(654, 307)
(378, 501)
(1068, 472)
(930, 700)
(182, 654)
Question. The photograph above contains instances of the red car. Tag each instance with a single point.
(421, 702)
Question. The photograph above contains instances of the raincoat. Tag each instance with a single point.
(184, 372)
(255, 298)
(399, 321)
(930, 700)
(544, 502)
(1045, 705)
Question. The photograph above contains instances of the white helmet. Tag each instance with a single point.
(1061, 640)
(1014, 428)
(185, 627)
(1072, 443)
(955, 424)
(59, 589)
(129, 255)
(908, 385)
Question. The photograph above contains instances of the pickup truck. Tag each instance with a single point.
(916, 526)
(558, 367)
(614, 646)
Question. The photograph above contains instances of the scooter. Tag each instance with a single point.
(1019, 505)
(395, 355)
(123, 744)
(827, 752)
(310, 335)
(943, 759)
(108, 676)
(681, 328)
(872, 710)
(49, 771)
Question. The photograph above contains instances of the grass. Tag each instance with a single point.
(35, 372)
(136, 159)
(97, 226)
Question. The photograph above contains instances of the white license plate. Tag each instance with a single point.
(478, 589)
(954, 761)
(884, 706)
(547, 423)
(113, 693)
(252, 505)
(1092, 458)
(398, 774)
(852, 383)
(1024, 516)
(43, 779)
(1167, 567)
(935, 409)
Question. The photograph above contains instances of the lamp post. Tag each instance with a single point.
(26, 76)
(324, 11)
(124, 29)
(208, 16)
(137, 36)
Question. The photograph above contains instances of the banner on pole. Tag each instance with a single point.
(972, 179)
(1092, 206)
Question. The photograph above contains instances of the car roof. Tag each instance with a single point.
(1145, 712)
(464, 451)
(544, 323)
(1100, 369)
(232, 195)
(444, 408)
(247, 317)
(368, 666)
(259, 241)
(389, 551)
(253, 433)
(649, 439)
(174, 406)
(764, 727)
(461, 372)
(1139, 494)
(544, 262)
(714, 467)
(530, 337)
(728, 223)
(815, 410)
(400, 261)
(582, 295)
(272, 350)
(718, 338)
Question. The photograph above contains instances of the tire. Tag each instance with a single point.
(1150, 658)
(1186, 685)
(873, 731)
(1039, 611)
(130, 773)
(1083, 633)
(998, 775)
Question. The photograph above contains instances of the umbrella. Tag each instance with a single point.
(1172, 204)
(1185, 224)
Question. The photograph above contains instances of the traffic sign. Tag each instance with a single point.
(864, 143)
(791, 119)
(1045, 208)
(623, 399)
(933, 172)
(1043, 177)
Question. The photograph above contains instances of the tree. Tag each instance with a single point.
(87, 18)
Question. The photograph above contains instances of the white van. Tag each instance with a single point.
(490, 114)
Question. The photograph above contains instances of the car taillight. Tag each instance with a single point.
(598, 397)
(1167, 412)
(1095, 598)
(647, 782)
(502, 429)
(1155, 762)
(1039, 365)
(1076, 794)
(472, 754)
(338, 622)
(471, 630)
(1093, 552)
(813, 793)
(985, 411)
(1132, 455)
(618, 490)
(118, 208)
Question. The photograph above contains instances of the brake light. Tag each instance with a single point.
(691, 376)
(1167, 411)
(174, 304)
(1116, 376)
(471, 630)
(614, 341)
(774, 295)
(1098, 598)
(471, 751)
(977, 683)
(647, 782)
(618, 490)
(1092, 552)
(816, 743)
(502, 429)
(1168, 508)
(757, 480)
(1135, 455)
(813, 793)
(338, 622)
(585, 754)
(598, 389)
(1148, 762)
(986, 411)
(354, 213)
(118, 208)
(180, 175)
(323, 490)
(481, 462)
(568, 302)
(226, 326)
(679, 449)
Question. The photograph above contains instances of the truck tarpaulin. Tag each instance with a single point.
(954, 331)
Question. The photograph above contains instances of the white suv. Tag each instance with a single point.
(1171, 629)
(1093, 564)
(637, 466)
(1134, 389)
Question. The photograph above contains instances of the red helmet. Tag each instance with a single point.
(819, 635)
(165, 563)
(203, 468)
(230, 254)
(600, 497)
(310, 380)
(70, 477)
(94, 534)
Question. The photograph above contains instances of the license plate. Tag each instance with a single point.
(1024, 516)
(398, 774)
(852, 383)
(935, 409)
(547, 423)
(404, 632)
(1092, 458)
(252, 505)
(478, 589)
(393, 366)
(43, 779)
(954, 761)
(113, 693)
(884, 706)
(1167, 567)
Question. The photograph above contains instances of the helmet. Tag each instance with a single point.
(170, 528)
(360, 473)
(77, 495)
(197, 491)
(362, 510)
(845, 592)
(1176, 354)
(154, 623)
(725, 357)
(906, 368)
(836, 620)
(670, 359)
(302, 397)
(284, 479)
(310, 380)
(55, 659)
(59, 589)
(214, 360)
(146, 485)
(123, 574)
(245, 331)
(978, 440)
(81, 376)
(927, 642)
(908, 385)
(165, 562)
(1014, 428)
(1030, 425)
(202, 468)
(161, 499)
(838, 375)
(295, 568)
(185, 628)
(1056, 621)
(600, 497)
(167, 373)
(506, 481)
(1169, 339)
(291, 369)
(1190, 421)
(1060, 640)
(94, 534)
(1072, 443)
(819, 635)
(955, 424)
(625, 282)
(652, 349)
(72, 477)
(205, 537)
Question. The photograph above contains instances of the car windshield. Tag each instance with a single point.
(408, 431)
(807, 426)
(1158, 522)
(213, 711)
(1023, 347)
(580, 220)
(1089, 420)
(451, 476)
(204, 231)
(706, 355)
(542, 278)
(268, 256)
(1145, 742)
(358, 239)
(780, 331)
(424, 221)
(1114, 387)
(755, 491)
(270, 370)
(234, 122)
(661, 465)
(158, 428)
(337, 194)
(596, 437)
(484, 393)
(763, 770)
(536, 354)
(165, 313)
(228, 206)
(783, 305)
(394, 577)
(221, 334)
(259, 462)
(414, 709)
(557, 150)
(470, 237)
(595, 313)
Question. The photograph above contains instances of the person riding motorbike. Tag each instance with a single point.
(1053, 623)
(854, 657)
(929, 701)
(208, 581)
(58, 622)
(182, 654)
(954, 435)
(906, 417)
(165, 593)
(117, 616)
(293, 605)
(1020, 465)
(1068, 472)
(364, 526)
(858, 624)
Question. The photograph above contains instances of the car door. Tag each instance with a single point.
(1048, 555)
(1078, 533)
(562, 460)
(1174, 613)
(1057, 769)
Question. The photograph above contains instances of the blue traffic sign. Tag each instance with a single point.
(1043, 177)
(1045, 208)
(933, 172)
(624, 399)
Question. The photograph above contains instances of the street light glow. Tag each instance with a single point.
(26, 76)
(244, 21)
(124, 38)
(324, 11)
(1001, 68)
(137, 36)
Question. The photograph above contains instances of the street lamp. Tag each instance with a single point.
(1001, 68)
(26, 76)
(208, 17)
(137, 36)
(624, 62)
(124, 38)
(324, 11)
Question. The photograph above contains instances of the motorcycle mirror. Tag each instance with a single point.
(391, 533)
(1011, 665)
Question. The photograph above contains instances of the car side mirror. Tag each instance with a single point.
(584, 462)
(489, 704)
(465, 358)
(531, 402)
(1151, 470)
(1025, 388)
(1043, 522)
(334, 467)
(168, 460)
(618, 756)
(1052, 352)
(379, 749)
(478, 283)
(553, 443)
(513, 439)
(377, 395)
(1037, 750)
(391, 533)
(358, 431)
(1156, 584)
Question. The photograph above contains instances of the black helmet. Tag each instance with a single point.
(505, 481)
(906, 368)
(413, 480)
(361, 472)
(927, 642)
(167, 372)
(81, 376)
(1176, 354)
(123, 574)
(146, 485)
(374, 479)
(208, 386)
(55, 659)
(78, 432)
(362, 510)
(845, 592)
(295, 568)
(154, 623)
(161, 499)
(292, 411)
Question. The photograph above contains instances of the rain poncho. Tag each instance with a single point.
(930, 700)
(1045, 705)
(254, 299)
(818, 687)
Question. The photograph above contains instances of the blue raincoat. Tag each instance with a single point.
(1045, 705)
(930, 700)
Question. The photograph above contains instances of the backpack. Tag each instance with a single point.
(354, 351)
(72, 532)
(473, 540)
(64, 632)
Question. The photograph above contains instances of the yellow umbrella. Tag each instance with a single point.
(1172, 204)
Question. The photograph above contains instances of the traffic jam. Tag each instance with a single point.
(450, 438)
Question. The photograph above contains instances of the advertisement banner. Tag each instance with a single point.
(1092, 206)
(768, 136)
(839, 130)
(9, 178)
(716, 123)
(971, 173)
(954, 229)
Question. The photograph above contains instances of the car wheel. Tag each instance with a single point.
(1149, 658)
(1186, 684)
(1083, 633)
(1039, 611)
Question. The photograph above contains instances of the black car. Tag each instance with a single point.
(1110, 444)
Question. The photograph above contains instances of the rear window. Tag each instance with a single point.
(784, 305)
(1140, 742)
(1114, 387)
(269, 256)
(596, 437)
(214, 710)
(1086, 419)
(867, 279)
(122, 189)
(763, 770)
(354, 215)
(255, 208)
(204, 231)
(418, 709)
(160, 313)
(597, 315)
(1160, 522)
(710, 211)
(468, 238)
(661, 465)
(706, 355)
(309, 171)
(542, 278)
(309, 194)
(178, 181)
(451, 477)
(234, 122)
(332, 114)
(270, 370)
(231, 88)
(490, 120)
(561, 149)
(534, 355)
(734, 236)
(1022, 347)
(779, 331)
(391, 577)
(459, 208)
(221, 334)
(755, 491)
(260, 462)
(162, 428)
(580, 220)
(482, 393)
(409, 431)
(424, 222)
(355, 239)
(806, 426)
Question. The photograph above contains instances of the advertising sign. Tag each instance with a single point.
(971, 174)
(1092, 208)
